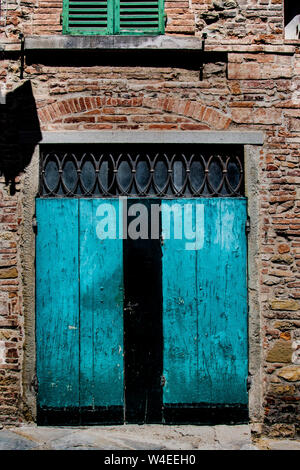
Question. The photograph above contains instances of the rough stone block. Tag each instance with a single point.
(284, 305)
(280, 352)
(290, 373)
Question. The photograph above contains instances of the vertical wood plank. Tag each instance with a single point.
(179, 313)
(205, 297)
(57, 303)
(161, 6)
(65, 17)
(222, 278)
(101, 311)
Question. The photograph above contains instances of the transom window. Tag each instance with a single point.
(113, 17)
(143, 171)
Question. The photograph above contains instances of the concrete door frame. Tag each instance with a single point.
(252, 142)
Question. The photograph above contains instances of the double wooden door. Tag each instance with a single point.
(141, 330)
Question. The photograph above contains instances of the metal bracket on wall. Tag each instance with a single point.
(22, 39)
(247, 226)
(249, 382)
(204, 36)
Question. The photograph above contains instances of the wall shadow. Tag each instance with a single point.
(185, 59)
(19, 132)
(291, 9)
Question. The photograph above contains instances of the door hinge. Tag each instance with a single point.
(35, 383)
(34, 225)
(249, 382)
(162, 380)
(247, 225)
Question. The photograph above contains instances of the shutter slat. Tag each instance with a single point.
(87, 16)
(141, 16)
(96, 3)
(140, 4)
(91, 10)
(150, 10)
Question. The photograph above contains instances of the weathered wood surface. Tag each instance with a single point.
(101, 311)
(205, 309)
(79, 285)
(80, 307)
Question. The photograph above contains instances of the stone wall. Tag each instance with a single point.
(11, 318)
(252, 85)
(245, 21)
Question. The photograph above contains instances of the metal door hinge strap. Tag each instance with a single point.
(204, 36)
(35, 383)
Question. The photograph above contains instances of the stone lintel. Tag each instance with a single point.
(156, 137)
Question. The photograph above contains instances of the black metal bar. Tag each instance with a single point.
(204, 36)
(22, 39)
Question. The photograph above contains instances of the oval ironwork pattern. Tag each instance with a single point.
(153, 171)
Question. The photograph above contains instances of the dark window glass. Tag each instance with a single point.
(51, 175)
(142, 175)
(161, 174)
(88, 175)
(215, 174)
(69, 175)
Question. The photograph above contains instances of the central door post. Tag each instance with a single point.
(143, 339)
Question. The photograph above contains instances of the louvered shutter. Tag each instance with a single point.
(88, 16)
(139, 17)
(113, 17)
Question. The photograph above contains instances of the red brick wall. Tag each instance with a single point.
(242, 21)
(11, 321)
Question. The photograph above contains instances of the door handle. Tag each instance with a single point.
(130, 307)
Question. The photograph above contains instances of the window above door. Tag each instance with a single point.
(113, 17)
(143, 171)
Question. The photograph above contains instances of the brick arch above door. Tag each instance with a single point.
(96, 112)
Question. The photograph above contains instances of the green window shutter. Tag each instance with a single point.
(88, 17)
(113, 17)
(139, 17)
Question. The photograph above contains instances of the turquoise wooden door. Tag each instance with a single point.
(79, 313)
(205, 304)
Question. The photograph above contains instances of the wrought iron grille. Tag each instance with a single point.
(141, 171)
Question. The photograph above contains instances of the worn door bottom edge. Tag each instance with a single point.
(197, 414)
